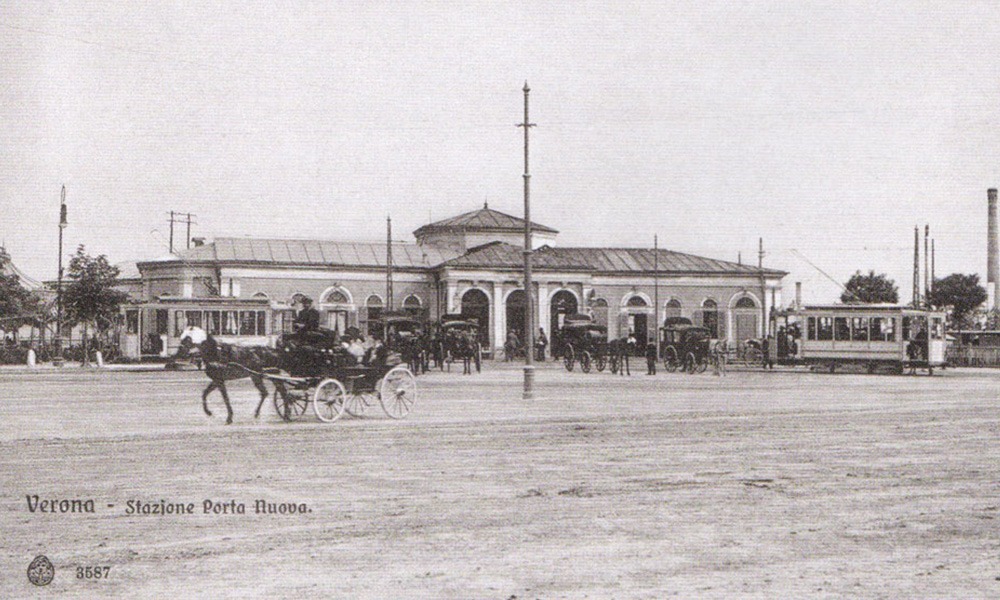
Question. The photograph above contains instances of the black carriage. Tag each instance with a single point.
(409, 337)
(459, 339)
(685, 346)
(318, 369)
(585, 342)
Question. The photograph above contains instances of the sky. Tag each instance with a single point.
(829, 129)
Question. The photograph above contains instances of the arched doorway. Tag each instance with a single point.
(637, 320)
(672, 310)
(599, 309)
(745, 319)
(476, 306)
(563, 303)
(515, 307)
(337, 306)
(710, 317)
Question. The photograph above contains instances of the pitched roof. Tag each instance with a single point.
(484, 219)
(500, 255)
(311, 252)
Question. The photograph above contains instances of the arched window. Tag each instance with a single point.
(636, 301)
(745, 302)
(710, 317)
(336, 297)
(672, 309)
(373, 316)
(412, 306)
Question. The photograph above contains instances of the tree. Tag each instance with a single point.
(870, 289)
(91, 298)
(962, 293)
(17, 304)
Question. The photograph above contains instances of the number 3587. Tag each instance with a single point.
(93, 572)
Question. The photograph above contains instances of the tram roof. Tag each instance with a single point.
(884, 307)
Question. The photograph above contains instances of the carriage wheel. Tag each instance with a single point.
(690, 363)
(398, 392)
(753, 357)
(329, 400)
(585, 362)
(600, 361)
(356, 405)
(670, 361)
(614, 364)
(289, 403)
(568, 358)
(702, 364)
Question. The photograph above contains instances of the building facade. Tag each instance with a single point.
(470, 265)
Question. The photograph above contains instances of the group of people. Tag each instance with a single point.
(512, 347)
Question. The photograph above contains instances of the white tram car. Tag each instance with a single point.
(869, 335)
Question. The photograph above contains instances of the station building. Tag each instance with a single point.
(471, 264)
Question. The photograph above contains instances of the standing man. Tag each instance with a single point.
(307, 319)
(540, 344)
(651, 359)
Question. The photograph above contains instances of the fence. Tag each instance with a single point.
(973, 356)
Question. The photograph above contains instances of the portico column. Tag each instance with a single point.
(499, 316)
(452, 300)
(543, 308)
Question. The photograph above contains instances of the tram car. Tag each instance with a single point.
(872, 336)
(585, 342)
(684, 346)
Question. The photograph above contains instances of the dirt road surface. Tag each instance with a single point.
(759, 485)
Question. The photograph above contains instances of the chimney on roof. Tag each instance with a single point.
(198, 241)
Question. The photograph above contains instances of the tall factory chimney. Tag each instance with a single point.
(992, 256)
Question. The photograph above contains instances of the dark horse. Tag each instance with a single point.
(462, 346)
(226, 362)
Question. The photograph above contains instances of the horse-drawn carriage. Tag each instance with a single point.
(307, 368)
(585, 342)
(459, 340)
(409, 337)
(333, 380)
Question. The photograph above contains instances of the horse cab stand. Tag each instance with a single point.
(874, 337)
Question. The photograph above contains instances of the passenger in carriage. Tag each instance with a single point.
(307, 319)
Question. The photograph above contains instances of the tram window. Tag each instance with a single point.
(937, 330)
(193, 318)
(812, 328)
(248, 322)
(841, 329)
(859, 329)
(824, 329)
(180, 322)
(213, 322)
(883, 329)
(261, 322)
(131, 321)
(906, 328)
(230, 322)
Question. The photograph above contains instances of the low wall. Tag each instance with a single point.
(973, 356)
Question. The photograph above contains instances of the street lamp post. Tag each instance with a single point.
(529, 321)
(62, 225)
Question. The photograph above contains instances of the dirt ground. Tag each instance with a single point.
(768, 485)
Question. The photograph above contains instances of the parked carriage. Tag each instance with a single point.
(409, 337)
(871, 336)
(685, 346)
(585, 342)
(460, 341)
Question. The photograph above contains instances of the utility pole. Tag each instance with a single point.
(189, 215)
(388, 263)
(927, 272)
(59, 311)
(763, 287)
(529, 321)
(656, 293)
(916, 267)
(932, 269)
(171, 232)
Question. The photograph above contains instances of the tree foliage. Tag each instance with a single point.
(961, 292)
(870, 289)
(17, 304)
(90, 296)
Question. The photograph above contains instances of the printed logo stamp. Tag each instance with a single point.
(41, 570)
